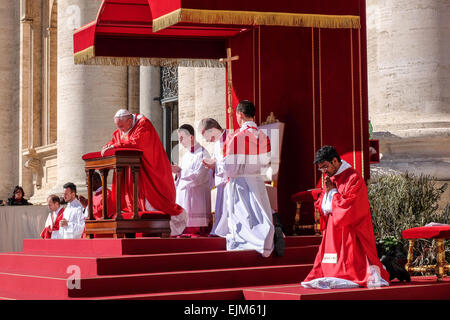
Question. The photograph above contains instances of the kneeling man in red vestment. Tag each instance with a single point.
(347, 256)
(156, 186)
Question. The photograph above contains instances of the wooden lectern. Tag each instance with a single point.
(151, 223)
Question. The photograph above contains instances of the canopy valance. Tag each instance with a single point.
(285, 13)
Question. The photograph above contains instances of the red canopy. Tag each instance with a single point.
(122, 35)
(195, 31)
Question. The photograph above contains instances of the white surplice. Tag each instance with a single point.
(247, 207)
(220, 181)
(73, 213)
(193, 185)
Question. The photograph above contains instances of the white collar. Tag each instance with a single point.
(98, 190)
(74, 203)
(344, 166)
(248, 124)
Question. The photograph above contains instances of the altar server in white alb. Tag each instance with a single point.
(193, 184)
(247, 206)
(71, 225)
(213, 132)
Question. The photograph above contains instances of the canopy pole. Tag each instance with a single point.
(228, 60)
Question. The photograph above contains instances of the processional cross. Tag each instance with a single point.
(228, 60)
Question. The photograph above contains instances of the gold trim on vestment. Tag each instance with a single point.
(361, 103)
(353, 101)
(314, 102)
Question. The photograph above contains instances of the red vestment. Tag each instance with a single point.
(47, 232)
(348, 244)
(97, 205)
(155, 176)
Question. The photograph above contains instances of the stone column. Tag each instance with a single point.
(133, 89)
(409, 84)
(202, 94)
(9, 93)
(88, 96)
(149, 94)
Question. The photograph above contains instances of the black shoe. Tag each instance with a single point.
(394, 269)
(278, 238)
(279, 243)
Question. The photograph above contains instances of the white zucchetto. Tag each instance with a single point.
(122, 113)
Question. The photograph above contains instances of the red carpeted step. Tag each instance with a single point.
(213, 294)
(420, 288)
(44, 265)
(56, 288)
(117, 247)
(32, 287)
(190, 280)
(108, 247)
(60, 266)
(202, 260)
(298, 241)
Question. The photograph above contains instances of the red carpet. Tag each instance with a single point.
(421, 288)
(171, 269)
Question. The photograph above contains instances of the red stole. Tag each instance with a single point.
(246, 142)
(47, 232)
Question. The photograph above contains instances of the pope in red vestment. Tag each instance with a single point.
(156, 186)
(347, 254)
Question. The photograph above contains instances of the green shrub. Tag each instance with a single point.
(402, 201)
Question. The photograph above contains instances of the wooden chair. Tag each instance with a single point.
(439, 233)
(300, 198)
(149, 223)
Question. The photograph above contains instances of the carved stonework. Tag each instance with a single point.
(169, 83)
(35, 165)
(42, 163)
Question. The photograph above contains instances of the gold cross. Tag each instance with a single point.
(228, 60)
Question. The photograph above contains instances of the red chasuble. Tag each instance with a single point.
(246, 142)
(155, 177)
(348, 244)
(47, 232)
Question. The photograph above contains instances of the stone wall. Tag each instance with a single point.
(202, 94)
(409, 85)
(88, 97)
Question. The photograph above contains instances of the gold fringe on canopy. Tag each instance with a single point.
(256, 18)
(87, 57)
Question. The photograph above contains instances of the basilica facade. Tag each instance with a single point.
(53, 111)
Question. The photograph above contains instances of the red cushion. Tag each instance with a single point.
(427, 232)
(111, 152)
(306, 196)
(149, 215)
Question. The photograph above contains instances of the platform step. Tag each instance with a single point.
(420, 288)
(56, 288)
(58, 266)
(109, 247)
(202, 260)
